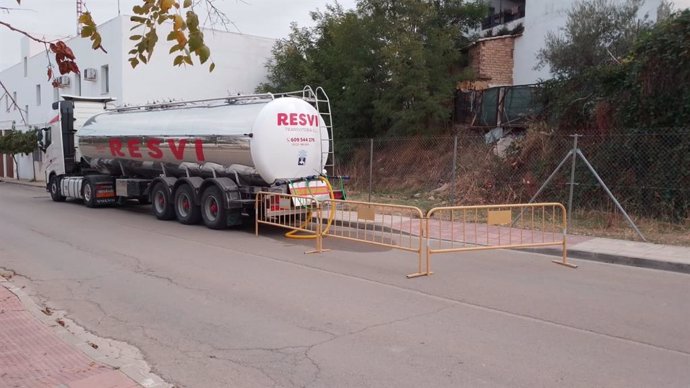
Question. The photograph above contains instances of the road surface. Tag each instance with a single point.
(225, 308)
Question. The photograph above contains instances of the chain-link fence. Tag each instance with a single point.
(648, 174)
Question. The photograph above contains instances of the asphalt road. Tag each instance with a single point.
(228, 309)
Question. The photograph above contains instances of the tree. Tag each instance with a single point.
(597, 32)
(17, 143)
(390, 67)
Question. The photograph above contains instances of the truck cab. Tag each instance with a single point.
(59, 140)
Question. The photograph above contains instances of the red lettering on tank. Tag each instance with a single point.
(313, 120)
(293, 118)
(282, 119)
(116, 147)
(302, 119)
(133, 148)
(178, 152)
(154, 148)
(199, 147)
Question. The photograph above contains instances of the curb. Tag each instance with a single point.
(24, 183)
(574, 253)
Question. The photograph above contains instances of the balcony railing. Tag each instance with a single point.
(505, 16)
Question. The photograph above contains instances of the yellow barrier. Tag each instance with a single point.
(392, 226)
(443, 230)
(293, 212)
(474, 228)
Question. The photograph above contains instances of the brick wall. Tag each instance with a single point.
(492, 60)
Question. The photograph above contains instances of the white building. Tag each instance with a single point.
(538, 17)
(240, 67)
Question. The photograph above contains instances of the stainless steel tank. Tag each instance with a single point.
(261, 140)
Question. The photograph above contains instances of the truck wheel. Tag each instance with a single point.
(162, 208)
(186, 211)
(88, 192)
(212, 210)
(55, 189)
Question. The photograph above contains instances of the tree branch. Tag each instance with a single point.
(14, 103)
(612, 56)
(23, 33)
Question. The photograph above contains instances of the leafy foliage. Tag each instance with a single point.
(65, 59)
(654, 91)
(149, 16)
(17, 142)
(597, 32)
(646, 89)
(390, 67)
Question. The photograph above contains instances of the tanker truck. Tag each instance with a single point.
(196, 161)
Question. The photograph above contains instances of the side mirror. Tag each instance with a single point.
(39, 135)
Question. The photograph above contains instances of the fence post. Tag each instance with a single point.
(572, 181)
(453, 171)
(371, 165)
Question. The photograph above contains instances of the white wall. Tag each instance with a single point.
(240, 67)
(542, 16)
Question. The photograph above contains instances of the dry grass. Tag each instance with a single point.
(417, 173)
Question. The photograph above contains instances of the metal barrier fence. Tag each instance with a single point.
(393, 226)
(442, 230)
(475, 228)
(293, 212)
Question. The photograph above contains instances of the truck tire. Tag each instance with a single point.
(54, 187)
(88, 192)
(186, 211)
(213, 211)
(162, 208)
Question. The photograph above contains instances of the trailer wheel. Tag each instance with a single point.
(213, 211)
(162, 208)
(186, 211)
(88, 192)
(55, 189)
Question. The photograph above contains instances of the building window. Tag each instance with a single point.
(105, 80)
(77, 84)
(26, 67)
(56, 94)
(38, 95)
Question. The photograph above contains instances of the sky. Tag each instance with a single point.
(57, 18)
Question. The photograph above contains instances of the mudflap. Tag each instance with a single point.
(104, 189)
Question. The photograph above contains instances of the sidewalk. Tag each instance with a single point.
(32, 354)
(633, 253)
(24, 182)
